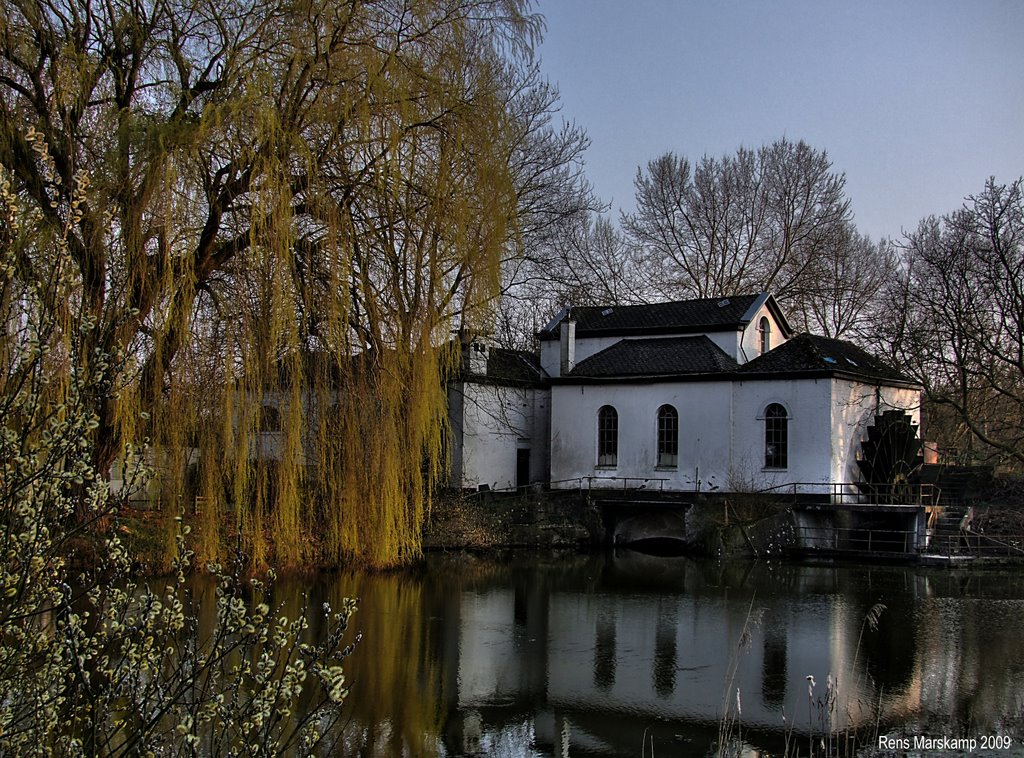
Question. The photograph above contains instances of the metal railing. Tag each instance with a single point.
(852, 493)
(980, 545)
(908, 541)
(837, 493)
(625, 483)
(857, 540)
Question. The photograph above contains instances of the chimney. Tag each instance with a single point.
(477, 357)
(567, 344)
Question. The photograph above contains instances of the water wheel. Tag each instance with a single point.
(889, 457)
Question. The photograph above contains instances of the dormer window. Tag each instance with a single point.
(764, 330)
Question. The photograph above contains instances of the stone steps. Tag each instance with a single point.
(946, 534)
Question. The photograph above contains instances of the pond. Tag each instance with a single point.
(627, 654)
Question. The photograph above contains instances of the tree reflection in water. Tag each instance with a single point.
(534, 654)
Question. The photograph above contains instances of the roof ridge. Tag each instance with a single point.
(718, 299)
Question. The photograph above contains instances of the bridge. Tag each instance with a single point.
(883, 522)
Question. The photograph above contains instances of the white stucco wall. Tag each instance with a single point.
(490, 424)
(272, 444)
(750, 339)
(550, 357)
(721, 432)
(808, 403)
(704, 412)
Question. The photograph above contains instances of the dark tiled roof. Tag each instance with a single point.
(513, 365)
(808, 352)
(703, 315)
(657, 357)
(508, 367)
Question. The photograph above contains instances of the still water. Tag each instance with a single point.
(626, 654)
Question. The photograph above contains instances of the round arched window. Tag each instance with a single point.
(776, 436)
(668, 437)
(764, 329)
(607, 436)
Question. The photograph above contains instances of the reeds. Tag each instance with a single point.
(827, 735)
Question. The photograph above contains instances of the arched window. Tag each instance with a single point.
(668, 437)
(776, 437)
(270, 419)
(765, 331)
(607, 436)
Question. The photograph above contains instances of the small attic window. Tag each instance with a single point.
(764, 330)
(828, 359)
(723, 303)
(607, 311)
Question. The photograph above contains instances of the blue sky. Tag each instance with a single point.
(918, 103)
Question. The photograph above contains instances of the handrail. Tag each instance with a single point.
(852, 492)
(842, 493)
(658, 484)
(858, 539)
(979, 537)
(908, 541)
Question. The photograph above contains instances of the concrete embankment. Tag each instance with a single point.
(573, 519)
(720, 525)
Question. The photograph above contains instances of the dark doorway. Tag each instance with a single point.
(522, 468)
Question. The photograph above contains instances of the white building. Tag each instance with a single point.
(499, 408)
(697, 395)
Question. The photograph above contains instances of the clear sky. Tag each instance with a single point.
(917, 102)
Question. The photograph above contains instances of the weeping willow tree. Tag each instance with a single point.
(292, 205)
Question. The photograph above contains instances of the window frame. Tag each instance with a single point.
(667, 437)
(776, 437)
(764, 330)
(270, 419)
(607, 437)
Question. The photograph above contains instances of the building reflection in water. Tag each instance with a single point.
(604, 648)
(591, 652)
(665, 648)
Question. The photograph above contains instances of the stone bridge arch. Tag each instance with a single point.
(660, 528)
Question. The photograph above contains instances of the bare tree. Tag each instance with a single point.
(752, 221)
(554, 199)
(956, 315)
(586, 261)
(841, 298)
